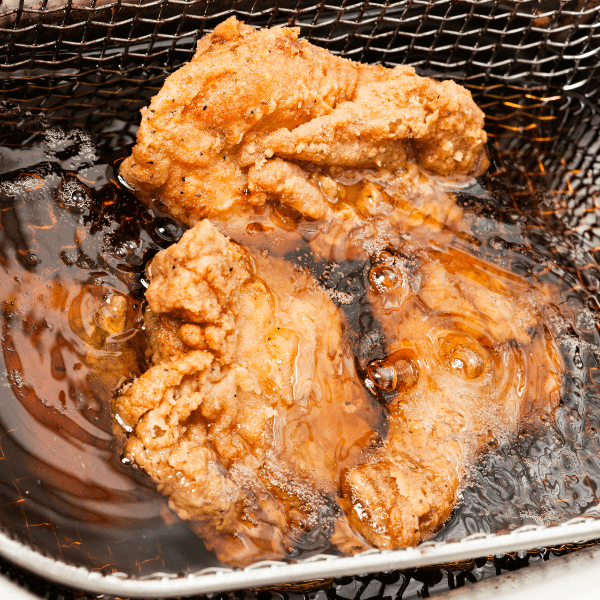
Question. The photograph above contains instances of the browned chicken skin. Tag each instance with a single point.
(468, 359)
(251, 410)
(252, 418)
(239, 124)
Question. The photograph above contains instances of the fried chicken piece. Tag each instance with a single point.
(251, 409)
(240, 122)
(460, 374)
(477, 292)
(385, 211)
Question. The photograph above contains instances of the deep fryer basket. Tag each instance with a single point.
(52, 51)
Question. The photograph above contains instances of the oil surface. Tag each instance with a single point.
(73, 239)
(72, 242)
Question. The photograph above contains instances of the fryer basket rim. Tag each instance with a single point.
(269, 573)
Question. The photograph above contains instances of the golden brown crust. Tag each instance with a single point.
(244, 364)
(235, 125)
(472, 361)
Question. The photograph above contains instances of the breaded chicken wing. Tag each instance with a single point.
(251, 409)
(454, 380)
(240, 123)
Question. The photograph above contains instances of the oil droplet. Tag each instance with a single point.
(254, 228)
(516, 216)
(385, 257)
(397, 372)
(383, 375)
(127, 459)
(31, 260)
(497, 243)
(168, 231)
(466, 361)
(72, 195)
(287, 217)
(383, 278)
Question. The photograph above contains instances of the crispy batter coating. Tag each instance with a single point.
(455, 381)
(239, 124)
(251, 409)
(252, 418)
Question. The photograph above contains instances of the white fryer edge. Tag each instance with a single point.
(564, 578)
(11, 591)
(269, 573)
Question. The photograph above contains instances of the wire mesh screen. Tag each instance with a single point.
(554, 42)
(94, 64)
(544, 176)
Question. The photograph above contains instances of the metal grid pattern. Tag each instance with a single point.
(544, 148)
(399, 585)
(556, 42)
(94, 63)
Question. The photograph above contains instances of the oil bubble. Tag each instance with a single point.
(384, 278)
(399, 371)
(466, 361)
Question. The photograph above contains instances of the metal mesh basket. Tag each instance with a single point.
(533, 66)
(554, 42)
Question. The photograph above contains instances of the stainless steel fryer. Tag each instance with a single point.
(534, 67)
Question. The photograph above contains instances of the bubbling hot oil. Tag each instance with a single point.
(74, 245)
